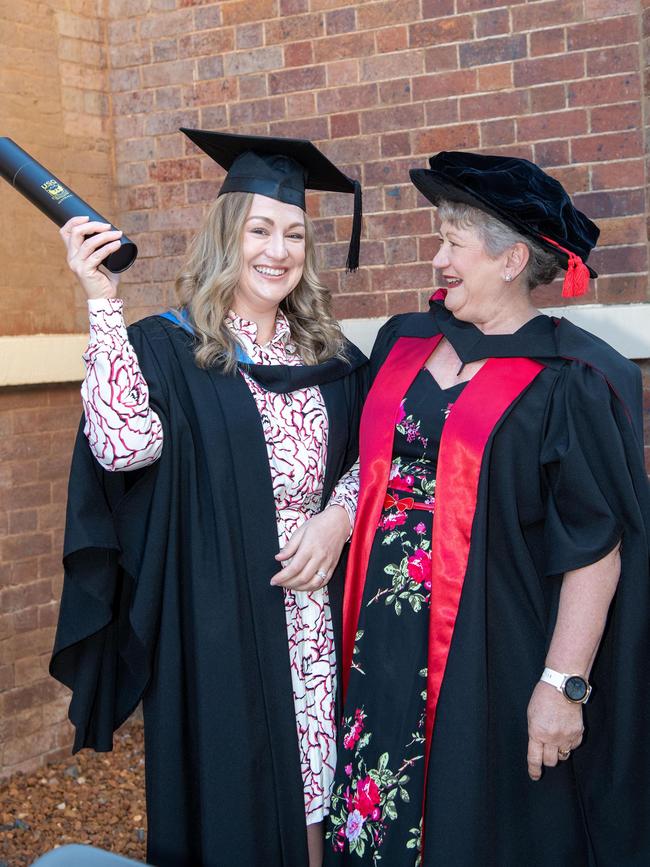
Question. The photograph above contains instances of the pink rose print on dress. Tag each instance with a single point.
(419, 567)
(367, 798)
(420, 528)
(350, 740)
(392, 521)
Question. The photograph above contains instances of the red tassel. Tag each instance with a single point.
(576, 279)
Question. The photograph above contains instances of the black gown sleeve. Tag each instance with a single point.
(585, 464)
(107, 626)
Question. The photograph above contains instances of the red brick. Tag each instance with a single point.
(550, 41)
(611, 203)
(407, 276)
(167, 98)
(298, 54)
(497, 132)
(353, 149)
(175, 170)
(553, 125)
(622, 230)
(403, 302)
(492, 105)
(395, 144)
(596, 34)
(620, 260)
(441, 31)
(613, 61)
(441, 57)
(26, 595)
(391, 66)
(475, 5)
(491, 23)
(314, 128)
(387, 12)
(294, 28)
(300, 104)
(392, 39)
(398, 198)
(436, 8)
(293, 7)
(244, 10)
(603, 8)
(341, 21)
(550, 98)
(621, 290)
(165, 49)
(347, 98)
(249, 35)
(361, 306)
(212, 92)
(401, 250)
(23, 521)
(395, 92)
(543, 70)
(552, 153)
(344, 125)
(297, 79)
(616, 117)
(259, 111)
(205, 18)
(600, 91)
(614, 146)
(252, 86)
(444, 84)
(396, 117)
(382, 226)
(165, 24)
(488, 51)
(207, 42)
(163, 74)
(630, 173)
(531, 16)
(495, 77)
(343, 47)
(458, 137)
(342, 72)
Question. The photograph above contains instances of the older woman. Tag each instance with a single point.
(210, 441)
(499, 567)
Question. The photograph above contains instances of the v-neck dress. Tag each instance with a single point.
(382, 734)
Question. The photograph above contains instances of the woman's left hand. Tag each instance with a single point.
(554, 729)
(313, 550)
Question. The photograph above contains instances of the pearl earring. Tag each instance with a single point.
(508, 278)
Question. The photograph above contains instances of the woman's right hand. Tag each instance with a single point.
(86, 254)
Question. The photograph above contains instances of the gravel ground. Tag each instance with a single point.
(95, 798)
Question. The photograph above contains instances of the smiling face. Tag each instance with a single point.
(474, 281)
(273, 256)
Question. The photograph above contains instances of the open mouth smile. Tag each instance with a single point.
(267, 271)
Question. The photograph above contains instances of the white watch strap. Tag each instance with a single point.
(555, 678)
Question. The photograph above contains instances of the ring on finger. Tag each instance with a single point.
(322, 576)
(563, 754)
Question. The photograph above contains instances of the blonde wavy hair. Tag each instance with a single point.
(206, 286)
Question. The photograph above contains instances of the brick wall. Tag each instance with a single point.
(36, 433)
(97, 89)
(379, 86)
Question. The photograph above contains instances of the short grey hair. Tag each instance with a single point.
(542, 266)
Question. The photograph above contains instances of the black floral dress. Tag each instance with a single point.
(376, 807)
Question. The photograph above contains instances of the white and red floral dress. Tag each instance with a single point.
(124, 433)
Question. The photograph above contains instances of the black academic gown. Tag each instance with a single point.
(167, 599)
(562, 479)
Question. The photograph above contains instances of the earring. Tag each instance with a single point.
(508, 278)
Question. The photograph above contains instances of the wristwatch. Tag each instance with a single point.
(572, 686)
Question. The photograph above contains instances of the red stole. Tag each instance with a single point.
(475, 414)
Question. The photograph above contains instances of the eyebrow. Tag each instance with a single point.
(271, 222)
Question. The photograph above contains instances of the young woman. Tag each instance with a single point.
(205, 523)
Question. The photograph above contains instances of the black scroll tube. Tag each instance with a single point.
(54, 199)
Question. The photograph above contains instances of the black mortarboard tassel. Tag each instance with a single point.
(520, 194)
(280, 168)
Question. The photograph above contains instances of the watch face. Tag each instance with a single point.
(575, 688)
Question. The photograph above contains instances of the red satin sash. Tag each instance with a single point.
(376, 433)
(474, 416)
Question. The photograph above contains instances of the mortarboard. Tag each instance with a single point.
(520, 194)
(280, 168)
